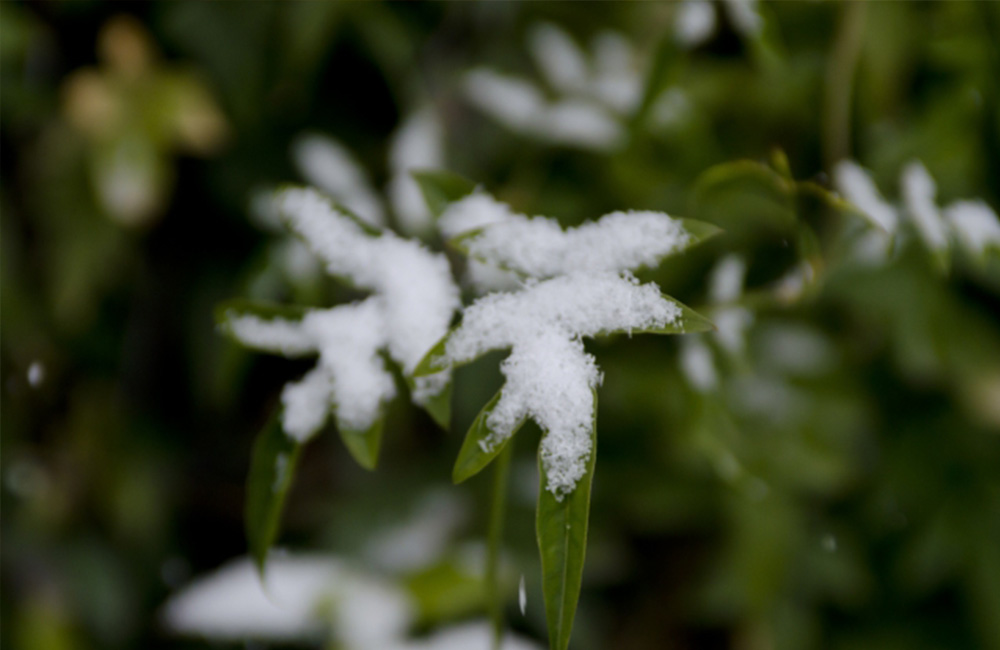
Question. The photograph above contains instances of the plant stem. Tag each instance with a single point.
(497, 512)
(840, 82)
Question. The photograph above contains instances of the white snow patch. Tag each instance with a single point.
(417, 144)
(331, 167)
(549, 376)
(744, 16)
(695, 23)
(36, 374)
(918, 195)
(422, 539)
(467, 636)
(522, 596)
(417, 295)
(278, 335)
(975, 224)
(521, 107)
(539, 247)
(697, 364)
(857, 186)
(560, 60)
(731, 324)
(617, 82)
(726, 281)
(300, 598)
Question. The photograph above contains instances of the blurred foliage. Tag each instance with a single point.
(838, 484)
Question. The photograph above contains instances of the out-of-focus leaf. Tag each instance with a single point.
(439, 406)
(364, 445)
(561, 526)
(272, 468)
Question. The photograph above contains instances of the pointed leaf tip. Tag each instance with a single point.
(272, 468)
(441, 188)
(472, 457)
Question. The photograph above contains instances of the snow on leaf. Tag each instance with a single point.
(975, 225)
(549, 376)
(538, 246)
(417, 144)
(330, 166)
(412, 305)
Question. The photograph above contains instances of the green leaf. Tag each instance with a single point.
(230, 309)
(562, 541)
(430, 364)
(272, 467)
(688, 322)
(700, 231)
(471, 457)
(364, 445)
(439, 406)
(441, 188)
(745, 197)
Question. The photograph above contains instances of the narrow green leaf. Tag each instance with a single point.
(562, 541)
(439, 406)
(364, 445)
(441, 188)
(272, 467)
(230, 309)
(431, 363)
(471, 457)
(700, 231)
(688, 322)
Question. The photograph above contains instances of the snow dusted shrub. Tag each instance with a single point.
(571, 284)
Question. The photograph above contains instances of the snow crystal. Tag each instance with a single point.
(695, 22)
(293, 603)
(539, 247)
(918, 195)
(467, 636)
(975, 225)
(857, 187)
(416, 145)
(559, 58)
(549, 376)
(328, 165)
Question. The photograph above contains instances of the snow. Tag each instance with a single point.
(918, 189)
(540, 248)
(549, 376)
(417, 294)
(270, 334)
(695, 23)
(697, 364)
(744, 16)
(411, 310)
(975, 225)
(521, 107)
(423, 538)
(726, 281)
(522, 596)
(417, 144)
(328, 165)
(726, 287)
(560, 60)
(856, 185)
(301, 597)
(36, 374)
(617, 81)
(467, 636)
